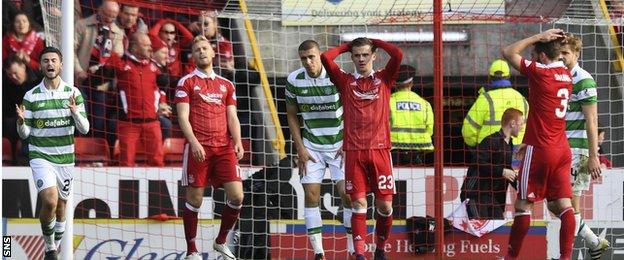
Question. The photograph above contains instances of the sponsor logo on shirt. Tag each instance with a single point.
(40, 123)
(212, 98)
(563, 77)
(323, 107)
(369, 95)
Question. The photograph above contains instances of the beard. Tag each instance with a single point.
(51, 75)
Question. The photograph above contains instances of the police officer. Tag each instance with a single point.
(411, 120)
(484, 117)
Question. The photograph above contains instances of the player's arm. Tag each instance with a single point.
(78, 112)
(590, 111)
(24, 118)
(197, 150)
(235, 130)
(512, 52)
(396, 55)
(328, 57)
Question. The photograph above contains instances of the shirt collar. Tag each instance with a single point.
(358, 75)
(61, 86)
(203, 75)
(323, 74)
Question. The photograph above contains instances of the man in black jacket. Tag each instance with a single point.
(487, 178)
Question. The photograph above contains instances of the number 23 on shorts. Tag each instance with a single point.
(385, 182)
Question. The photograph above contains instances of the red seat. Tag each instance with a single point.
(246, 160)
(174, 151)
(89, 150)
(139, 158)
(7, 152)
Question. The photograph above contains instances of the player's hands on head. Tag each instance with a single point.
(303, 156)
(593, 165)
(551, 35)
(198, 152)
(239, 150)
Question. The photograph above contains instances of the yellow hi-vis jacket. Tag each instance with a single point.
(411, 121)
(484, 117)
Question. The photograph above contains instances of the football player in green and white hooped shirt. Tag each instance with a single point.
(310, 92)
(47, 116)
(582, 133)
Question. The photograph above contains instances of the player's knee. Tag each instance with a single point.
(48, 203)
(358, 203)
(236, 200)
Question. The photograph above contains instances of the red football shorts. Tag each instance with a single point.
(545, 174)
(369, 170)
(219, 167)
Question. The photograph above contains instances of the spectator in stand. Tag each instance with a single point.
(224, 57)
(490, 173)
(160, 54)
(130, 21)
(167, 30)
(17, 79)
(10, 8)
(23, 41)
(96, 38)
(140, 96)
(604, 161)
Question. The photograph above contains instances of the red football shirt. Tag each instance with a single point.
(550, 87)
(208, 97)
(365, 100)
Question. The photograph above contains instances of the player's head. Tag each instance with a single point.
(363, 53)
(128, 16)
(167, 33)
(50, 62)
(571, 50)
(108, 11)
(548, 52)
(310, 56)
(202, 52)
(141, 45)
(499, 70)
(513, 120)
(405, 80)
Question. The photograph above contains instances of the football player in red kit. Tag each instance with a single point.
(206, 105)
(545, 172)
(365, 96)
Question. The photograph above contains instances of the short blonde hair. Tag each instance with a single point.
(199, 38)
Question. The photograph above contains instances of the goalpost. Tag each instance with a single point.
(133, 212)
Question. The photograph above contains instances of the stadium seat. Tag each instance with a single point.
(174, 151)
(90, 150)
(140, 158)
(246, 160)
(7, 152)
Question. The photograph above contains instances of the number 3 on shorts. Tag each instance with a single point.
(385, 182)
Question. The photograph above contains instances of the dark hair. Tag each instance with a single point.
(31, 23)
(50, 49)
(308, 45)
(13, 59)
(552, 49)
(362, 41)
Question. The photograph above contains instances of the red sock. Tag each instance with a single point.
(382, 229)
(189, 218)
(519, 230)
(358, 229)
(228, 219)
(566, 233)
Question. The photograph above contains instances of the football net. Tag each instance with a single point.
(134, 211)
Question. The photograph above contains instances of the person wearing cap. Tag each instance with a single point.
(411, 120)
(484, 117)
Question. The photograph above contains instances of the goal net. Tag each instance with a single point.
(135, 212)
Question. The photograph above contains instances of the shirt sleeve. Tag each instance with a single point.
(587, 91)
(291, 98)
(183, 91)
(230, 99)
